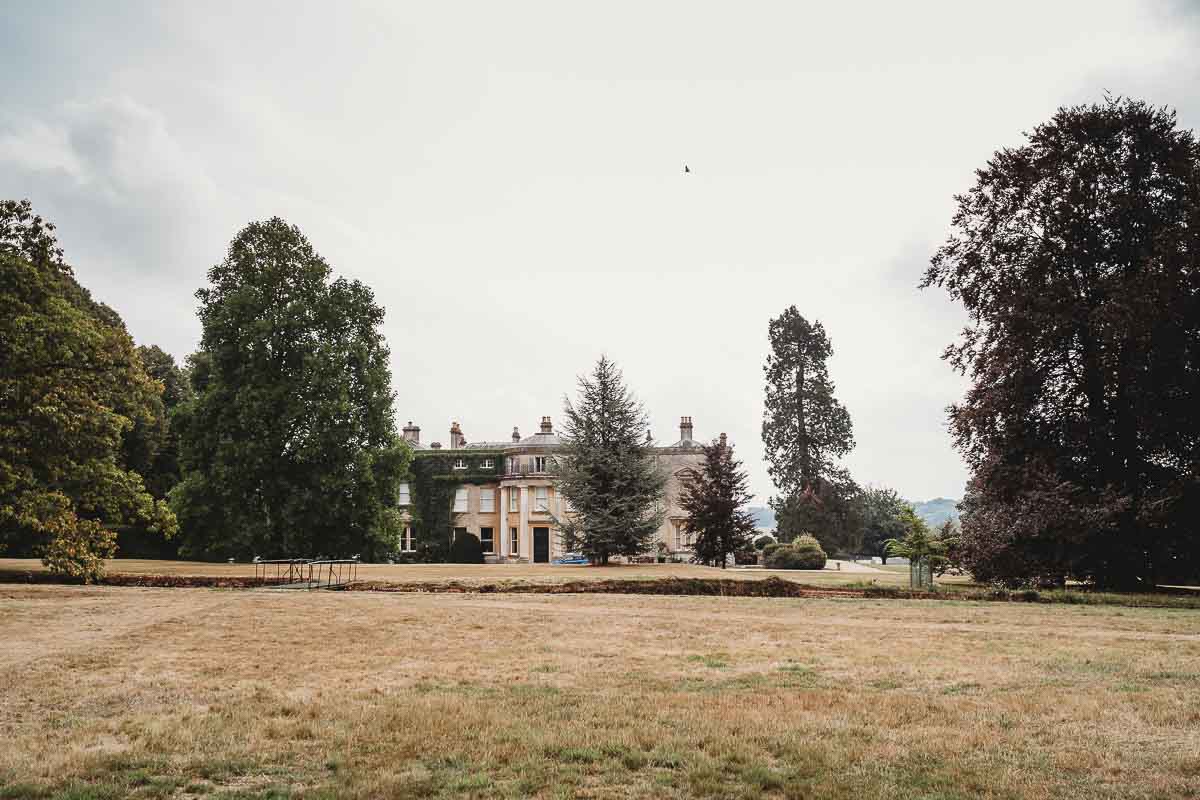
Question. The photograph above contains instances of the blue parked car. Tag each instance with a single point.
(573, 559)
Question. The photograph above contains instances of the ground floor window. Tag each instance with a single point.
(515, 541)
(406, 541)
(487, 540)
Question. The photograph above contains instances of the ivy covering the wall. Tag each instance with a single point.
(433, 481)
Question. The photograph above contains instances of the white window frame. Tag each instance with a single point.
(514, 540)
(460, 500)
(460, 463)
(406, 540)
(488, 495)
(541, 498)
(488, 545)
(405, 494)
(514, 500)
(488, 463)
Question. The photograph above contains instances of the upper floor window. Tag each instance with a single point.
(460, 500)
(539, 463)
(487, 500)
(405, 498)
(460, 463)
(541, 498)
(488, 463)
(514, 465)
(514, 498)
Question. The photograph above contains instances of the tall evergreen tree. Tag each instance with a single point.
(805, 431)
(715, 499)
(607, 474)
(71, 389)
(289, 447)
(1077, 256)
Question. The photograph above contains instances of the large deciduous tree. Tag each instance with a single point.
(607, 473)
(883, 518)
(715, 499)
(1077, 257)
(72, 388)
(289, 447)
(805, 431)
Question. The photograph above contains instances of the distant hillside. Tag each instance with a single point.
(937, 510)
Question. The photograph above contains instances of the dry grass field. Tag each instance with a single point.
(116, 692)
(513, 573)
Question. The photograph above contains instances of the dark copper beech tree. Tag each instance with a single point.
(1077, 257)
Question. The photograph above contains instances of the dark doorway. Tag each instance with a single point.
(541, 545)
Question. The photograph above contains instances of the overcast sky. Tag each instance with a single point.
(508, 178)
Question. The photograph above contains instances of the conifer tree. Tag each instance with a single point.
(805, 431)
(607, 473)
(715, 498)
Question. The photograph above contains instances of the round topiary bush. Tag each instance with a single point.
(465, 549)
(804, 553)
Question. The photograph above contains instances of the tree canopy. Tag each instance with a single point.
(1077, 256)
(607, 473)
(289, 446)
(72, 388)
(715, 499)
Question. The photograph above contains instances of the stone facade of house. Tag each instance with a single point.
(514, 515)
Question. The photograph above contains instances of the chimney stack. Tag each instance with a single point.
(685, 428)
(547, 428)
(412, 433)
(516, 435)
(457, 440)
(724, 441)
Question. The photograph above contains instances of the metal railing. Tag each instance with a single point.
(306, 573)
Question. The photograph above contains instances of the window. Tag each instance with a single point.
(541, 498)
(406, 541)
(486, 540)
(539, 463)
(487, 501)
(488, 464)
(405, 499)
(460, 463)
(514, 541)
(514, 465)
(460, 500)
(514, 499)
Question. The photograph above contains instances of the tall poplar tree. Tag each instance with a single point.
(715, 498)
(805, 431)
(607, 473)
(289, 447)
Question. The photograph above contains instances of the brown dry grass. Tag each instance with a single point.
(491, 573)
(113, 692)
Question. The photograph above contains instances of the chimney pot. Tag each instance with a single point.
(412, 433)
(685, 428)
(546, 426)
(724, 441)
(457, 439)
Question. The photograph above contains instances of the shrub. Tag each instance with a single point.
(745, 557)
(465, 549)
(804, 553)
(771, 547)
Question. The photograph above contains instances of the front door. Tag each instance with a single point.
(541, 545)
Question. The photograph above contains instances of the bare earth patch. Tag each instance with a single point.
(114, 692)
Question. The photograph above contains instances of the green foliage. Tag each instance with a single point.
(1075, 256)
(804, 553)
(466, 549)
(433, 482)
(883, 519)
(607, 473)
(715, 498)
(805, 429)
(289, 447)
(831, 511)
(920, 545)
(71, 389)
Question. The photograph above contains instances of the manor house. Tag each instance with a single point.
(508, 498)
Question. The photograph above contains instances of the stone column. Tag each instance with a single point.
(502, 534)
(525, 534)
